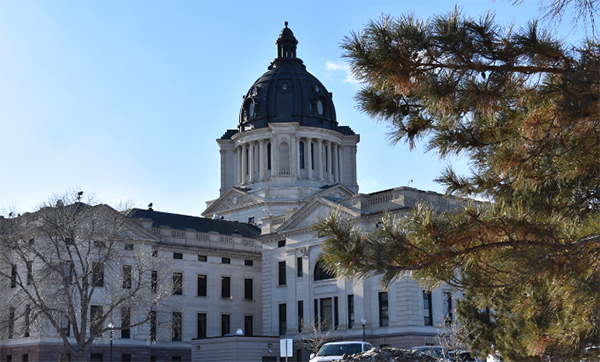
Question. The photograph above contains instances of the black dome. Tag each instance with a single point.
(287, 93)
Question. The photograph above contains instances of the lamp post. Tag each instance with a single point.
(363, 321)
(110, 325)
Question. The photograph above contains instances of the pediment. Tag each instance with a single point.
(337, 191)
(232, 199)
(314, 211)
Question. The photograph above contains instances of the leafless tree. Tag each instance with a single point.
(77, 271)
(455, 337)
(315, 334)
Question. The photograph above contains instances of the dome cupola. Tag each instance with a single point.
(287, 92)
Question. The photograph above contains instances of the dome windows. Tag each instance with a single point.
(320, 108)
(251, 110)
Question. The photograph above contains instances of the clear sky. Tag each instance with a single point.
(125, 99)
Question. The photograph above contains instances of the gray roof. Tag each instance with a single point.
(199, 224)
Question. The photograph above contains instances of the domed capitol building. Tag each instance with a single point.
(250, 266)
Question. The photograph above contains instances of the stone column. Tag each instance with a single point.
(238, 165)
(309, 156)
(250, 162)
(261, 163)
(329, 163)
(244, 163)
(320, 164)
(341, 163)
(274, 160)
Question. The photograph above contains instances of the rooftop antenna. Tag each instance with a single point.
(79, 195)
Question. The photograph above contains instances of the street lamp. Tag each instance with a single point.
(363, 321)
(110, 325)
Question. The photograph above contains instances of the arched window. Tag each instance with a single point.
(322, 274)
(301, 154)
(284, 157)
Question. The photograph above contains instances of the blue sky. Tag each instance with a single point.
(125, 99)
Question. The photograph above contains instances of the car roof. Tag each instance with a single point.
(348, 342)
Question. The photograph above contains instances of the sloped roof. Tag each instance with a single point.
(200, 224)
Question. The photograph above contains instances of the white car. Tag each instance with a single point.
(333, 351)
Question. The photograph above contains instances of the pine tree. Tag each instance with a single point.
(523, 107)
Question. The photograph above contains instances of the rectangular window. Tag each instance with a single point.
(96, 357)
(154, 281)
(350, 311)
(125, 322)
(336, 315)
(126, 357)
(225, 260)
(201, 285)
(326, 306)
(154, 253)
(248, 262)
(427, 310)
(176, 325)
(177, 255)
(29, 272)
(282, 319)
(177, 283)
(299, 271)
(96, 312)
(128, 247)
(299, 355)
(225, 287)
(175, 358)
(225, 324)
(25, 357)
(447, 309)
(300, 315)
(202, 258)
(281, 243)
(201, 329)
(27, 315)
(248, 289)
(127, 276)
(316, 306)
(68, 272)
(65, 326)
(9, 358)
(383, 309)
(11, 322)
(281, 273)
(248, 325)
(97, 274)
(153, 323)
(13, 276)
(65, 357)
(301, 154)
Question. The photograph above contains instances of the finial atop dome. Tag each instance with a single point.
(286, 43)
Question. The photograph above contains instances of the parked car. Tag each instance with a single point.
(462, 356)
(333, 351)
(437, 352)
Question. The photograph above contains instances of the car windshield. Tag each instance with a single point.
(339, 349)
(435, 352)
